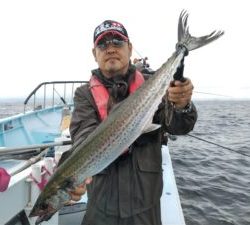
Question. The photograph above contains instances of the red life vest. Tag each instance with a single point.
(101, 94)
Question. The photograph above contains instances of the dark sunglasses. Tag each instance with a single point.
(103, 44)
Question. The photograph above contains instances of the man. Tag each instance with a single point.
(128, 191)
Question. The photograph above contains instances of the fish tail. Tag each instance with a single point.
(185, 40)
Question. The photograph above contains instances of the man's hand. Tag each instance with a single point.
(80, 190)
(180, 93)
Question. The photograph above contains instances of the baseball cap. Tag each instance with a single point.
(109, 26)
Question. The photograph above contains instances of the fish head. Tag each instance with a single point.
(44, 217)
(44, 211)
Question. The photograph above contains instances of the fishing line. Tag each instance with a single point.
(138, 53)
(208, 93)
(221, 146)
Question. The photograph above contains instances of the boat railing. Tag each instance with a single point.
(50, 94)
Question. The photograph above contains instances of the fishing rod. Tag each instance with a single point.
(5, 175)
(29, 148)
(221, 146)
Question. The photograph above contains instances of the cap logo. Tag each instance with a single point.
(109, 26)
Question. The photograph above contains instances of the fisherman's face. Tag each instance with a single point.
(112, 54)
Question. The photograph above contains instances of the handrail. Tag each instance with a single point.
(54, 93)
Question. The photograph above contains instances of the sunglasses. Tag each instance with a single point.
(117, 43)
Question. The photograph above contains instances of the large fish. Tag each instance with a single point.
(122, 127)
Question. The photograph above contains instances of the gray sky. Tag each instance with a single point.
(52, 40)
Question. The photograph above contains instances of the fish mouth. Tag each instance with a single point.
(42, 214)
(44, 217)
(41, 211)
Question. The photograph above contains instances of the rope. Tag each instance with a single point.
(221, 146)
